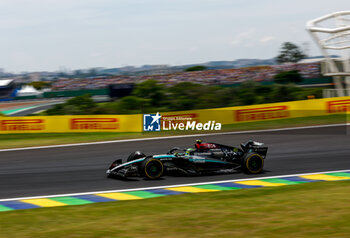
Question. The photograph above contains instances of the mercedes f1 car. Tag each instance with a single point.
(204, 158)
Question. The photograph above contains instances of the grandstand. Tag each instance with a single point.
(211, 77)
(7, 89)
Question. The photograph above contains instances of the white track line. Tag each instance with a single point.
(172, 137)
(168, 186)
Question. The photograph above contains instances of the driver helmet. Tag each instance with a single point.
(198, 143)
(189, 151)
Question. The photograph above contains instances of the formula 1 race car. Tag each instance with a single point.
(204, 158)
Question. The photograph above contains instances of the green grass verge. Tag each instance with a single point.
(26, 140)
(305, 210)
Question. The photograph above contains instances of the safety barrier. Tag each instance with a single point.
(58, 124)
(134, 123)
(261, 112)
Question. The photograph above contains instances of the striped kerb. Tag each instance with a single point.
(167, 191)
(324, 177)
(260, 183)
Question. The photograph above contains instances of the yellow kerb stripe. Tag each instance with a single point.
(189, 189)
(44, 202)
(259, 183)
(118, 196)
(324, 177)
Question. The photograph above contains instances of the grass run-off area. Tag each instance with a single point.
(26, 140)
(320, 209)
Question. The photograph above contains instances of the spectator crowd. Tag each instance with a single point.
(209, 77)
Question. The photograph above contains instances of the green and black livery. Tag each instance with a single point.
(205, 158)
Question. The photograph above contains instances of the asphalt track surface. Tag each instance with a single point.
(46, 106)
(76, 169)
(31, 110)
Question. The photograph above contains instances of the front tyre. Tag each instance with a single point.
(151, 168)
(252, 163)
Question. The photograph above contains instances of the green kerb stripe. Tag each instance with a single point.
(4, 208)
(15, 110)
(339, 174)
(284, 181)
(144, 194)
(215, 187)
(71, 200)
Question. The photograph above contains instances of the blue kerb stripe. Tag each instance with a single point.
(18, 205)
(237, 185)
(164, 191)
(299, 179)
(94, 198)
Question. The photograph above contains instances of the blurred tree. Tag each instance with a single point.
(133, 103)
(290, 53)
(184, 88)
(283, 93)
(152, 90)
(184, 96)
(80, 105)
(56, 110)
(92, 72)
(196, 68)
(150, 96)
(264, 93)
(74, 110)
(40, 84)
(246, 93)
(284, 77)
(77, 73)
(84, 102)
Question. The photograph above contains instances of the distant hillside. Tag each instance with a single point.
(239, 63)
(164, 69)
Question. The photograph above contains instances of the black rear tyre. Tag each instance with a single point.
(135, 155)
(252, 163)
(151, 168)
